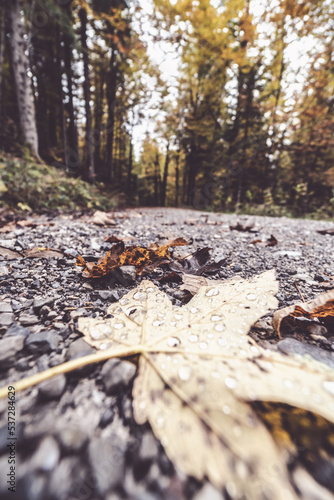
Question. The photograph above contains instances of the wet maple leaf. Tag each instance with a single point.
(200, 374)
(144, 259)
(206, 388)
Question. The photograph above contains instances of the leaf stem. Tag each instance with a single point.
(70, 366)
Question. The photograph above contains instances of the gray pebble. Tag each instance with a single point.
(128, 273)
(39, 302)
(28, 319)
(53, 388)
(47, 455)
(148, 447)
(5, 307)
(79, 348)
(72, 438)
(9, 347)
(6, 319)
(117, 373)
(16, 329)
(45, 341)
(293, 346)
(107, 461)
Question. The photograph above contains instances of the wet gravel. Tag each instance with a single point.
(76, 435)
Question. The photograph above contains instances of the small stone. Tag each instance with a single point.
(5, 307)
(9, 347)
(117, 373)
(4, 271)
(107, 417)
(44, 310)
(319, 278)
(79, 348)
(47, 455)
(53, 388)
(148, 447)
(107, 295)
(6, 319)
(77, 313)
(237, 268)
(62, 486)
(71, 252)
(52, 315)
(43, 342)
(16, 329)
(316, 329)
(127, 273)
(208, 492)
(293, 346)
(39, 302)
(107, 460)
(72, 438)
(28, 319)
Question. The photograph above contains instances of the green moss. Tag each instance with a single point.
(25, 183)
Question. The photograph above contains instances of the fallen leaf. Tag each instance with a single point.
(326, 231)
(200, 374)
(43, 253)
(240, 227)
(9, 254)
(102, 219)
(113, 239)
(197, 263)
(322, 308)
(272, 241)
(144, 259)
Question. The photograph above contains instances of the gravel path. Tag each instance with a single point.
(76, 435)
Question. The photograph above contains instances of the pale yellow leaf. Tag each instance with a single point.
(199, 373)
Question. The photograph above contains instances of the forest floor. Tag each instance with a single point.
(69, 426)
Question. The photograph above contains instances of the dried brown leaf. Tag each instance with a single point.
(322, 308)
(144, 259)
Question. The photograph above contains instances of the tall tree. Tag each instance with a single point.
(20, 65)
(86, 84)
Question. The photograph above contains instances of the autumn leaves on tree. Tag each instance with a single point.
(247, 120)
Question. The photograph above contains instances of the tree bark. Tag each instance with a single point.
(164, 179)
(86, 85)
(2, 50)
(20, 64)
(177, 178)
(72, 151)
(111, 115)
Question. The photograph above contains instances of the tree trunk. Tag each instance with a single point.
(72, 151)
(156, 180)
(99, 84)
(2, 50)
(177, 179)
(20, 64)
(86, 85)
(164, 180)
(130, 165)
(62, 116)
(111, 115)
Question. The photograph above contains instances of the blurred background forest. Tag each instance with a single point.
(218, 105)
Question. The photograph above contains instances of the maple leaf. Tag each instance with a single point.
(198, 374)
(205, 386)
(144, 259)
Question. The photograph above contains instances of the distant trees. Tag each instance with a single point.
(247, 122)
